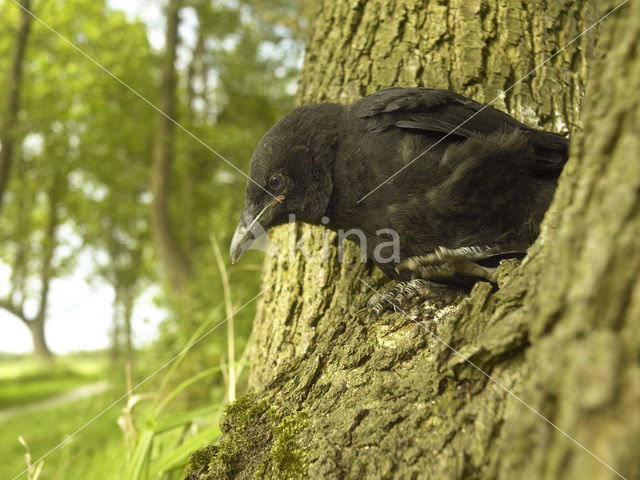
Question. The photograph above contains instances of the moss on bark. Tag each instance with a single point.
(260, 441)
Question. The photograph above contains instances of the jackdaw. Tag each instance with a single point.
(457, 183)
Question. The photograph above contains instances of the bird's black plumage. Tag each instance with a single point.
(488, 182)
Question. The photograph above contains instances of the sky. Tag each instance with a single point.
(80, 315)
(80, 312)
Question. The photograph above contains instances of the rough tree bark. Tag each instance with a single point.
(336, 397)
(10, 117)
(174, 259)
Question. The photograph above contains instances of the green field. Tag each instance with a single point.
(23, 381)
(98, 451)
(95, 453)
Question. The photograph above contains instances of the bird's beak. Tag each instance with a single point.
(242, 239)
(244, 234)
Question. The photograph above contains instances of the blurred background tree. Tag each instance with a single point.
(95, 182)
(69, 134)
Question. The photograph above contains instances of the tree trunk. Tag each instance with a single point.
(192, 172)
(116, 320)
(123, 306)
(336, 397)
(172, 256)
(36, 324)
(10, 117)
(128, 303)
(40, 347)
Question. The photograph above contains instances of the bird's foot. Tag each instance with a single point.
(446, 263)
(403, 294)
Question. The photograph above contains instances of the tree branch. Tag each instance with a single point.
(15, 310)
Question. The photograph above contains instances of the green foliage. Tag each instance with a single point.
(84, 152)
(164, 436)
(234, 92)
(81, 128)
(145, 463)
(235, 72)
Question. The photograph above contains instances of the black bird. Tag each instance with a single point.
(476, 184)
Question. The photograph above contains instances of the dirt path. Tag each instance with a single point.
(72, 395)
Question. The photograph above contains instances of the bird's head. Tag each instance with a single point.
(290, 173)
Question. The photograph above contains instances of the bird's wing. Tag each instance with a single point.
(441, 111)
(429, 109)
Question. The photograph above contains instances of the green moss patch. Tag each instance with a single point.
(260, 439)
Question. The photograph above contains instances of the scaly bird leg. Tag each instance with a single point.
(445, 263)
(442, 264)
(403, 294)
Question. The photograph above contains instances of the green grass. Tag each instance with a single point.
(23, 380)
(165, 436)
(97, 452)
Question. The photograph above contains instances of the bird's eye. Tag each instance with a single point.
(276, 182)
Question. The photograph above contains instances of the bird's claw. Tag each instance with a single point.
(446, 263)
(397, 298)
(377, 304)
